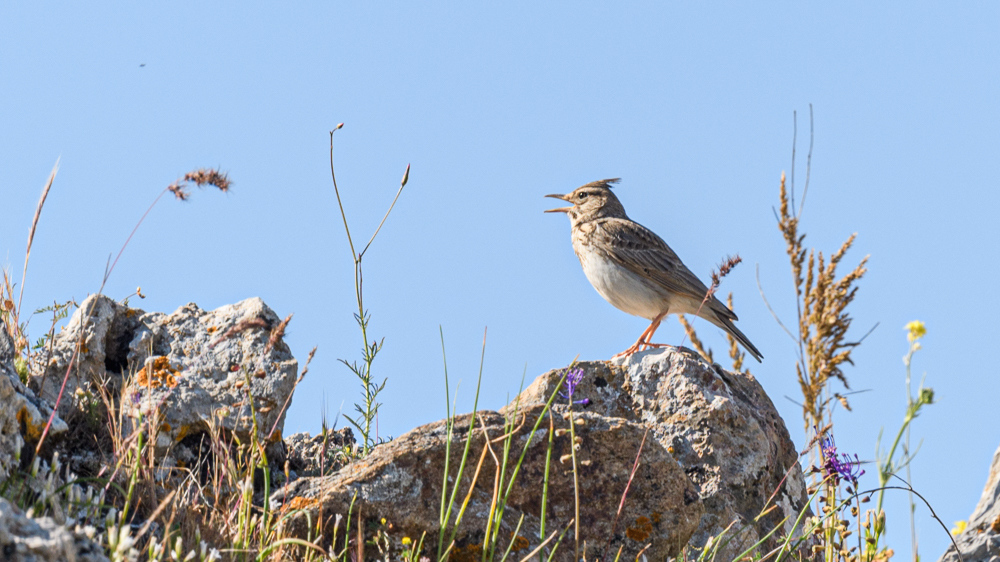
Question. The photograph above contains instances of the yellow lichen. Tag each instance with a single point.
(32, 432)
(641, 530)
(299, 503)
(161, 374)
(467, 553)
(519, 543)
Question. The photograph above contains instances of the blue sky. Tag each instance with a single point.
(495, 106)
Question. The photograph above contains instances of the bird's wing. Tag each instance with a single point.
(640, 250)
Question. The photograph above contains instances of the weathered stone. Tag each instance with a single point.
(720, 426)
(106, 327)
(22, 414)
(199, 367)
(29, 539)
(980, 542)
(190, 368)
(401, 481)
(316, 456)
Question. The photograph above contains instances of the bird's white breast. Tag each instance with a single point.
(620, 286)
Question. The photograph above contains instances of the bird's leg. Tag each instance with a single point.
(652, 330)
(643, 340)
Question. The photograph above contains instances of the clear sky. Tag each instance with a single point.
(495, 106)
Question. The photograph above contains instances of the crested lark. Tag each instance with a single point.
(634, 269)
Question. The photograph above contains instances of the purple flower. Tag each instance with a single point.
(840, 465)
(573, 378)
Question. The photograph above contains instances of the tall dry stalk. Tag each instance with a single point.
(823, 320)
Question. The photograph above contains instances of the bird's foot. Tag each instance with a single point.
(642, 346)
(635, 347)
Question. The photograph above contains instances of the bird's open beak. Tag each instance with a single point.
(560, 209)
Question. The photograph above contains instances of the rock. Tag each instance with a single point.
(199, 367)
(107, 327)
(720, 426)
(22, 414)
(310, 456)
(980, 542)
(28, 539)
(190, 368)
(401, 481)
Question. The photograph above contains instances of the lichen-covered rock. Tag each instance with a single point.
(106, 328)
(29, 539)
(22, 414)
(319, 455)
(401, 481)
(980, 542)
(187, 371)
(199, 367)
(720, 426)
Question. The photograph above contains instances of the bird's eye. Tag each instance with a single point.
(582, 195)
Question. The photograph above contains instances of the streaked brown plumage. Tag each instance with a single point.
(634, 269)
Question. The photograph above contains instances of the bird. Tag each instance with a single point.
(634, 269)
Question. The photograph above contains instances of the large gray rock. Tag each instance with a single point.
(720, 426)
(189, 369)
(980, 542)
(401, 482)
(195, 366)
(22, 414)
(29, 539)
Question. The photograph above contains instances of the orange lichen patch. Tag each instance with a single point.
(995, 527)
(299, 503)
(519, 543)
(161, 374)
(165, 427)
(32, 432)
(212, 329)
(641, 530)
(183, 432)
(130, 312)
(657, 517)
(467, 553)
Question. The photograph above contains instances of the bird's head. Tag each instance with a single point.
(591, 201)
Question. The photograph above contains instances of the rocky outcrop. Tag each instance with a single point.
(980, 542)
(720, 426)
(670, 451)
(186, 371)
(401, 481)
(30, 539)
(23, 415)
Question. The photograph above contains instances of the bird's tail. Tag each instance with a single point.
(727, 325)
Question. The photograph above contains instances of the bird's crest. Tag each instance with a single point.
(603, 183)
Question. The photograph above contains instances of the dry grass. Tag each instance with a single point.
(823, 319)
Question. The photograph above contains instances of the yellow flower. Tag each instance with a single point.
(407, 541)
(383, 520)
(959, 528)
(916, 330)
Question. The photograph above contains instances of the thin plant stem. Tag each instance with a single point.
(34, 225)
(461, 468)
(576, 483)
